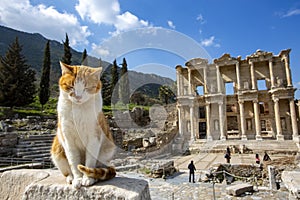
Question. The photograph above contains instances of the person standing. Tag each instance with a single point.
(192, 169)
(227, 155)
(257, 160)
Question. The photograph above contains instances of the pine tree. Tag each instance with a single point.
(84, 60)
(166, 95)
(124, 84)
(67, 52)
(16, 78)
(44, 92)
(106, 91)
(113, 83)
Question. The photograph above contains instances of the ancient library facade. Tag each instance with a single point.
(245, 99)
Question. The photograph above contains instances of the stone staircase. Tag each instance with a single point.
(288, 147)
(35, 148)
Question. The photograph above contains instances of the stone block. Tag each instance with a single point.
(50, 184)
(237, 190)
(291, 180)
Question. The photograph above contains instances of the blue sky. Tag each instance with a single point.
(183, 29)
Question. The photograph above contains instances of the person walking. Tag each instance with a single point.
(192, 169)
(266, 157)
(257, 160)
(227, 155)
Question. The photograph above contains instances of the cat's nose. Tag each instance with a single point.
(78, 98)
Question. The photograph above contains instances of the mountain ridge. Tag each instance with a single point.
(33, 49)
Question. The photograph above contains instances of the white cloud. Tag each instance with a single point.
(98, 11)
(210, 42)
(48, 21)
(201, 19)
(171, 25)
(108, 12)
(292, 13)
(127, 21)
(100, 51)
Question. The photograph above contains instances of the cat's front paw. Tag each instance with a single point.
(69, 179)
(87, 181)
(76, 183)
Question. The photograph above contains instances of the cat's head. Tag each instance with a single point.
(80, 82)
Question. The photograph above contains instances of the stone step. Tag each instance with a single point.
(34, 150)
(271, 146)
(35, 143)
(28, 146)
(25, 154)
(34, 156)
(22, 140)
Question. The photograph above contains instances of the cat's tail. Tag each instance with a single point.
(98, 173)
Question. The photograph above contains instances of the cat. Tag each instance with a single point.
(83, 145)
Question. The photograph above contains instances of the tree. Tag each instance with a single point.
(16, 78)
(84, 60)
(166, 94)
(124, 84)
(113, 83)
(67, 52)
(106, 90)
(44, 92)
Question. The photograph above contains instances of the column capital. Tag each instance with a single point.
(241, 101)
(220, 103)
(255, 101)
(275, 99)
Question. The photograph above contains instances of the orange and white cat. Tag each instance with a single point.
(83, 146)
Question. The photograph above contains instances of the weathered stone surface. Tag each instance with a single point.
(50, 184)
(13, 183)
(237, 190)
(291, 179)
(162, 169)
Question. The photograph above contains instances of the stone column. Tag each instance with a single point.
(192, 123)
(277, 119)
(252, 73)
(271, 74)
(257, 120)
(237, 68)
(272, 178)
(288, 71)
(179, 85)
(190, 81)
(180, 120)
(243, 121)
(205, 80)
(208, 122)
(294, 120)
(221, 121)
(219, 79)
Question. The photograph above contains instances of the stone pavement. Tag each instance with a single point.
(178, 188)
(204, 161)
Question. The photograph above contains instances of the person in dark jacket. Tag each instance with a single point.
(192, 169)
(227, 155)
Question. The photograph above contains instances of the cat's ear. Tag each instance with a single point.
(97, 72)
(65, 68)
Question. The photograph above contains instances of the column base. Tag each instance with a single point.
(296, 138)
(258, 137)
(209, 138)
(223, 138)
(244, 137)
(280, 137)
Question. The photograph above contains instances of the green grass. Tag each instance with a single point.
(49, 109)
